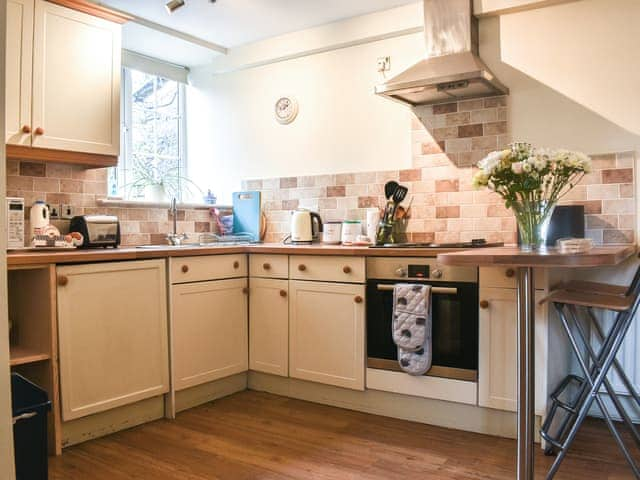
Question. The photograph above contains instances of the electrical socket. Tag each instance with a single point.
(384, 64)
(66, 211)
(54, 211)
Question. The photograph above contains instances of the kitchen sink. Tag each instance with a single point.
(162, 247)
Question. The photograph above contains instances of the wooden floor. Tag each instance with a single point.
(254, 435)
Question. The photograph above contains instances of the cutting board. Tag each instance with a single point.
(247, 213)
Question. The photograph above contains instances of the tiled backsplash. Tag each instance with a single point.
(60, 183)
(448, 141)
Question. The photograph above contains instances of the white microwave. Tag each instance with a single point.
(15, 223)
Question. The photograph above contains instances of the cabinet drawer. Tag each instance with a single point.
(269, 266)
(214, 267)
(506, 277)
(328, 269)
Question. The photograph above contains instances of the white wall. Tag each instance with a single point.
(344, 127)
(6, 431)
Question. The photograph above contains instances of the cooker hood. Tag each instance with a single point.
(452, 69)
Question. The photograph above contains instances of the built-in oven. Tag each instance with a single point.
(454, 297)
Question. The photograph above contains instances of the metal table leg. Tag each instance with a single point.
(526, 372)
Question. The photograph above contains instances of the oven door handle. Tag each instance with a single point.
(439, 290)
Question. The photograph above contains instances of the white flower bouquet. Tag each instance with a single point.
(531, 181)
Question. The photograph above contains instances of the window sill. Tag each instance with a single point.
(120, 202)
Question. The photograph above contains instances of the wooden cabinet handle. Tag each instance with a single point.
(510, 272)
(266, 266)
(185, 268)
(484, 304)
(302, 267)
(283, 293)
(236, 264)
(63, 280)
(245, 290)
(26, 129)
(358, 299)
(346, 269)
(39, 131)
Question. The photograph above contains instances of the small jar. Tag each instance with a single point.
(332, 233)
(351, 229)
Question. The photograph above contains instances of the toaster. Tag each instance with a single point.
(97, 230)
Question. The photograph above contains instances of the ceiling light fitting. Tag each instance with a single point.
(173, 5)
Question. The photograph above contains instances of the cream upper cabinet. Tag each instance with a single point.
(112, 321)
(326, 338)
(63, 79)
(19, 62)
(498, 359)
(76, 81)
(209, 329)
(269, 326)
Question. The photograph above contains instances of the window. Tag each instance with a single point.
(153, 152)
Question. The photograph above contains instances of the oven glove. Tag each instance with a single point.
(415, 363)
(411, 312)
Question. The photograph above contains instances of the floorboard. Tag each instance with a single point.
(258, 436)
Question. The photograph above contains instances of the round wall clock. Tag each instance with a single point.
(286, 110)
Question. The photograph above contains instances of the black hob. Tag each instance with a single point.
(475, 243)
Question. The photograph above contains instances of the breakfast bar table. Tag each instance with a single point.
(525, 262)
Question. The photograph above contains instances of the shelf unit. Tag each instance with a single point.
(33, 349)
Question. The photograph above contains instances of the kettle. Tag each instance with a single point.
(305, 226)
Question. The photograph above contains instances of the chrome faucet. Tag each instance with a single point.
(174, 238)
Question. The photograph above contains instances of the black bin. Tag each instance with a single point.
(30, 405)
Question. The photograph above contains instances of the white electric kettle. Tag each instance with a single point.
(305, 226)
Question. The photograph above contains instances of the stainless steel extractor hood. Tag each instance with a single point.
(452, 69)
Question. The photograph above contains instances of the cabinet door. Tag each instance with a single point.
(209, 325)
(18, 70)
(76, 81)
(326, 340)
(112, 321)
(269, 326)
(498, 362)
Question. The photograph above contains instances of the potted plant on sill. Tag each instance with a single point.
(531, 181)
(158, 181)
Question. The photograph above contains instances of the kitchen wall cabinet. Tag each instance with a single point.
(326, 339)
(112, 321)
(269, 326)
(498, 359)
(19, 64)
(63, 72)
(209, 330)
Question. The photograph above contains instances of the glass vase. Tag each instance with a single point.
(533, 222)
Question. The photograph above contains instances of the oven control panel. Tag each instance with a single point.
(416, 268)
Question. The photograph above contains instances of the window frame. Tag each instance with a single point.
(126, 135)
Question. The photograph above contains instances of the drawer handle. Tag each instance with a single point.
(26, 129)
(358, 299)
(266, 266)
(185, 268)
(510, 272)
(283, 293)
(245, 290)
(484, 304)
(63, 280)
(346, 269)
(39, 131)
(302, 267)
(236, 264)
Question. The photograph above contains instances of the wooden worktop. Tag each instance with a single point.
(513, 257)
(18, 258)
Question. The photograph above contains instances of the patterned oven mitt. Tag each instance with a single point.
(411, 327)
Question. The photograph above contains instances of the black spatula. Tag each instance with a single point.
(390, 188)
(400, 194)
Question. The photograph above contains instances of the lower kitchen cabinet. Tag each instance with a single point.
(269, 326)
(498, 360)
(326, 338)
(112, 321)
(209, 328)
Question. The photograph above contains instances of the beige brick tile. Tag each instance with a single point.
(603, 161)
(345, 179)
(473, 211)
(411, 175)
(484, 115)
(435, 225)
(602, 192)
(461, 118)
(452, 211)
(495, 102)
(617, 175)
(617, 236)
(347, 203)
(595, 222)
(71, 186)
(448, 185)
(576, 194)
(498, 210)
(491, 224)
(431, 148)
(447, 237)
(435, 160)
(290, 204)
(306, 181)
(32, 169)
(383, 177)
(487, 142)
(445, 108)
(627, 222)
(135, 239)
(626, 205)
(503, 114)
(460, 198)
(625, 160)
(270, 183)
(595, 235)
(458, 145)
(15, 182)
(13, 167)
(324, 180)
(467, 105)
(445, 133)
(47, 185)
(365, 177)
(139, 214)
(356, 190)
(495, 128)
(415, 225)
(327, 203)
(253, 185)
(52, 197)
(473, 130)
